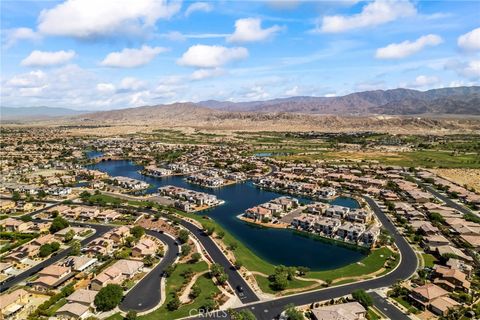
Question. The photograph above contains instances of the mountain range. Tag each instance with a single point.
(407, 102)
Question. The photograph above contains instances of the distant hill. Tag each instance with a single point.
(35, 113)
(459, 100)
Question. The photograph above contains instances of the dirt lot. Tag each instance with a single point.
(470, 177)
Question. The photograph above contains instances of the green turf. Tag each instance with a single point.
(264, 284)
(428, 260)
(174, 283)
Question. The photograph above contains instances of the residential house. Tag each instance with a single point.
(344, 311)
(13, 302)
(450, 278)
(51, 277)
(116, 273)
(145, 247)
(424, 295)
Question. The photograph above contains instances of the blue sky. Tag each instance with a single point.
(105, 54)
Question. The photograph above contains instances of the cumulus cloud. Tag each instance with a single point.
(204, 56)
(423, 81)
(469, 70)
(12, 36)
(131, 84)
(201, 74)
(198, 6)
(470, 41)
(250, 30)
(47, 58)
(375, 13)
(106, 87)
(93, 18)
(407, 48)
(25, 80)
(131, 58)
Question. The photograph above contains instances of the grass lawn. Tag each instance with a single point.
(428, 260)
(116, 316)
(373, 262)
(174, 283)
(264, 284)
(372, 315)
(404, 302)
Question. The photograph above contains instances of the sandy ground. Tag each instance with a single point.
(470, 177)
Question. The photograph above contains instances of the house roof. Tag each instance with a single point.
(344, 311)
(54, 271)
(82, 296)
(444, 303)
(430, 291)
(11, 298)
(75, 308)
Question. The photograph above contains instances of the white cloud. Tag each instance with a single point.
(203, 56)
(257, 93)
(131, 58)
(250, 30)
(423, 81)
(12, 36)
(470, 41)
(94, 18)
(47, 58)
(131, 84)
(469, 70)
(201, 74)
(106, 87)
(31, 79)
(198, 6)
(375, 13)
(407, 48)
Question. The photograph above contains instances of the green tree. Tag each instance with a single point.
(131, 315)
(244, 314)
(58, 224)
(45, 250)
(108, 297)
(303, 270)
(173, 304)
(362, 297)
(186, 249)
(195, 292)
(137, 232)
(293, 314)
(222, 278)
(69, 236)
(148, 261)
(85, 195)
(16, 196)
(183, 236)
(195, 257)
(76, 248)
(238, 264)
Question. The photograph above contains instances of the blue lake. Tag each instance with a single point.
(277, 246)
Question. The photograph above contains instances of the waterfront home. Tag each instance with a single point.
(286, 203)
(258, 213)
(317, 208)
(326, 192)
(51, 277)
(358, 215)
(338, 212)
(304, 221)
(350, 231)
(156, 171)
(327, 226)
(344, 311)
(116, 273)
(370, 236)
(13, 302)
(129, 183)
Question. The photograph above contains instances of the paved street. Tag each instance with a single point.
(147, 294)
(99, 231)
(387, 308)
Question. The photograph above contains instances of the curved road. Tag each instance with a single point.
(99, 231)
(408, 265)
(146, 294)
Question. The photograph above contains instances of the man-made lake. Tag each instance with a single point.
(277, 246)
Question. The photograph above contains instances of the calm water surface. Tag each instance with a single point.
(277, 246)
